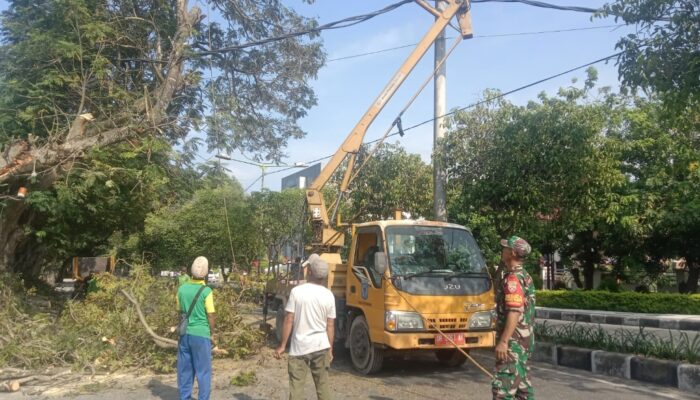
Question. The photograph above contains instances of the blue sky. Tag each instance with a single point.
(346, 88)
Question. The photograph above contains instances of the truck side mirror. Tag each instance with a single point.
(381, 262)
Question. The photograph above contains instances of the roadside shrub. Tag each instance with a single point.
(657, 303)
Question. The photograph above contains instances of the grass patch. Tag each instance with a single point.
(244, 378)
(678, 348)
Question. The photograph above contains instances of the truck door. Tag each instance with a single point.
(365, 283)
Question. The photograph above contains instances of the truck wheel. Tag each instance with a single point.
(366, 357)
(279, 322)
(450, 357)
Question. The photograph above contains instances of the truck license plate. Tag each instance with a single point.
(457, 338)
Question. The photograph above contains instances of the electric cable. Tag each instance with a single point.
(472, 105)
(480, 37)
(357, 19)
(542, 4)
(343, 23)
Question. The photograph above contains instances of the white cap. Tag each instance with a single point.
(317, 267)
(200, 267)
(311, 259)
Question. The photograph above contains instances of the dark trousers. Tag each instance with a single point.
(317, 363)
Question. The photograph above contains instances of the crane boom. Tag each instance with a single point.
(325, 236)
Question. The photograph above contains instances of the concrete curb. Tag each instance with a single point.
(574, 357)
(675, 374)
(689, 378)
(545, 352)
(672, 322)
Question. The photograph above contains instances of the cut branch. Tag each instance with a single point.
(157, 339)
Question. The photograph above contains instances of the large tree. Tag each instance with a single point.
(218, 222)
(82, 74)
(661, 158)
(662, 58)
(391, 179)
(542, 170)
(279, 220)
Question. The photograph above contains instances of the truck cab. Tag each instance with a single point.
(404, 282)
(410, 278)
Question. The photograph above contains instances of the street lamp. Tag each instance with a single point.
(263, 167)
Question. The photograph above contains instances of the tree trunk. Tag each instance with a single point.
(693, 274)
(588, 272)
(19, 250)
(682, 280)
(576, 273)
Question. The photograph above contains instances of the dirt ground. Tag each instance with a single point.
(402, 379)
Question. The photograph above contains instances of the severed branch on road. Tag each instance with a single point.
(13, 385)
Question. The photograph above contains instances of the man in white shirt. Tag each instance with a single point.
(309, 318)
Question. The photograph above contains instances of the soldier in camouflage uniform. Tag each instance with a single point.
(515, 301)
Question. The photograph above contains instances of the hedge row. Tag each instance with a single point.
(656, 303)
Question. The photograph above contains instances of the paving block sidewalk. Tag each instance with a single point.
(663, 321)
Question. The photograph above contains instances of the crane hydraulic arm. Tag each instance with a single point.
(325, 235)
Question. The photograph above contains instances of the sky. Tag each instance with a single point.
(346, 88)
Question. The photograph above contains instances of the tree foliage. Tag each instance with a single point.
(279, 219)
(542, 170)
(200, 226)
(62, 58)
(598, 177)
(391, 179)
(663, 56)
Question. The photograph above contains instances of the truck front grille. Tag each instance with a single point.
(447, 323)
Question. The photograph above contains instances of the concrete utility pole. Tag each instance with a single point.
(439, 173)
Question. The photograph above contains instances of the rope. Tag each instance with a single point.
(472, 360)
(218, 132)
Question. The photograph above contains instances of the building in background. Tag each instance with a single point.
(301, 179)
(298, 180)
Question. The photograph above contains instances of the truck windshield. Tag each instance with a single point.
(426, 250)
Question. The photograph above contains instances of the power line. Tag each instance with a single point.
(343, 23)
(501, 95)
(529, 85)
(354, 20)
(481, 37)
(542, 4)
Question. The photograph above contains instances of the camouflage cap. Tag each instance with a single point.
(519, 245)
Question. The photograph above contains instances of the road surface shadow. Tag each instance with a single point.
(163, 391)
(242, 396)
(423, 368)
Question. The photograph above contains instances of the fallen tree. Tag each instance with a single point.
(124, 325)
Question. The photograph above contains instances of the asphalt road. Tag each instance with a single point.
(404, 379)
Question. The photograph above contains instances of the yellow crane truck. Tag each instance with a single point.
(407, 285)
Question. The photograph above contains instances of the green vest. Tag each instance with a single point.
(198, 323)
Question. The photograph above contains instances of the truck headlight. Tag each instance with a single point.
(481, 320)
(397, 321)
